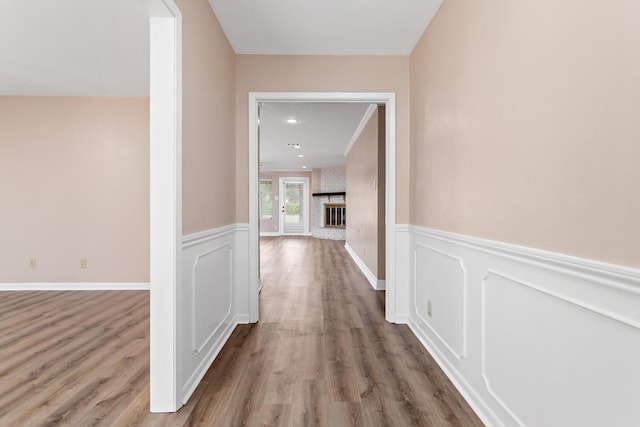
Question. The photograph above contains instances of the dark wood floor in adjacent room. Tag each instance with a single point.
(321, 355)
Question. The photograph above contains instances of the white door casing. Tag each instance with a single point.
(381, 98)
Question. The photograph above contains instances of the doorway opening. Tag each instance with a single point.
(386, 100)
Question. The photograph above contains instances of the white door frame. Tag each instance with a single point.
(165, 198)
(389, 101)
(305, 203)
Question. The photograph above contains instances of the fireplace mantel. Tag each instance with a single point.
(337, 193)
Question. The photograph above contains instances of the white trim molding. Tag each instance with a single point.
(214, 274)
(516, 328)
(75, 286)
(365, 119)
(373, 281)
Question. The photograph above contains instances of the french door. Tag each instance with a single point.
(294, 205)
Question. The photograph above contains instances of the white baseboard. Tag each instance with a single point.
(74, 286)
(269, 234)
(365, 270)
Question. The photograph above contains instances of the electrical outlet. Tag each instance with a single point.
(83, 263)
(429, 307)
(32, 263)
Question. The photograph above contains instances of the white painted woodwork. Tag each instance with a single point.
(376, 284)
(387, 99)
(165, 199)
(75, 286)
(529, 337)
(208, 300)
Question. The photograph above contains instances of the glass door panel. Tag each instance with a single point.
(293, 207)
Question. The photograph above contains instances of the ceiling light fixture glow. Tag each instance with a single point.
(292, 120)
(300, 155)
(304, 167)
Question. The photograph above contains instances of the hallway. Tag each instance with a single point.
(322, 354)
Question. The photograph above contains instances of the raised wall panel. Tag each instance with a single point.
(211, 294)
(566, 355)
(441, 282)
(551, 340)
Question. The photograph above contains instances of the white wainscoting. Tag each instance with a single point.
(376, 284)
(208, 299)
(529, 337)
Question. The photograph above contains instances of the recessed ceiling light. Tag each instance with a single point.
(300, 155)
(304, 167)
(292, 120)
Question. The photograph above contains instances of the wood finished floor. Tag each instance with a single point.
(321, 355)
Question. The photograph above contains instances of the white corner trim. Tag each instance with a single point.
(199, 373)
(611, 275)
(75, 286)
(365, 119)
(363, 267)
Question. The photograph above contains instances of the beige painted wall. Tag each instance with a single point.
(74, 183)
(256, 73)
(208, 120)
(524, 125)
(364, 196)
(271, 226)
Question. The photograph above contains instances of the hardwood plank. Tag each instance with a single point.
(321, 355)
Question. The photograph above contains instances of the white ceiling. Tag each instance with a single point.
(324, 131)
(101, 48)
(324, 27)
(74, 48)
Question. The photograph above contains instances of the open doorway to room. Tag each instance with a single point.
(295, 153)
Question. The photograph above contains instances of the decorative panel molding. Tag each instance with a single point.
(538, 344)
(440, 288)
(208, 311)
(212, 292)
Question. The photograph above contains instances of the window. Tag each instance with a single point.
(266, 197)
